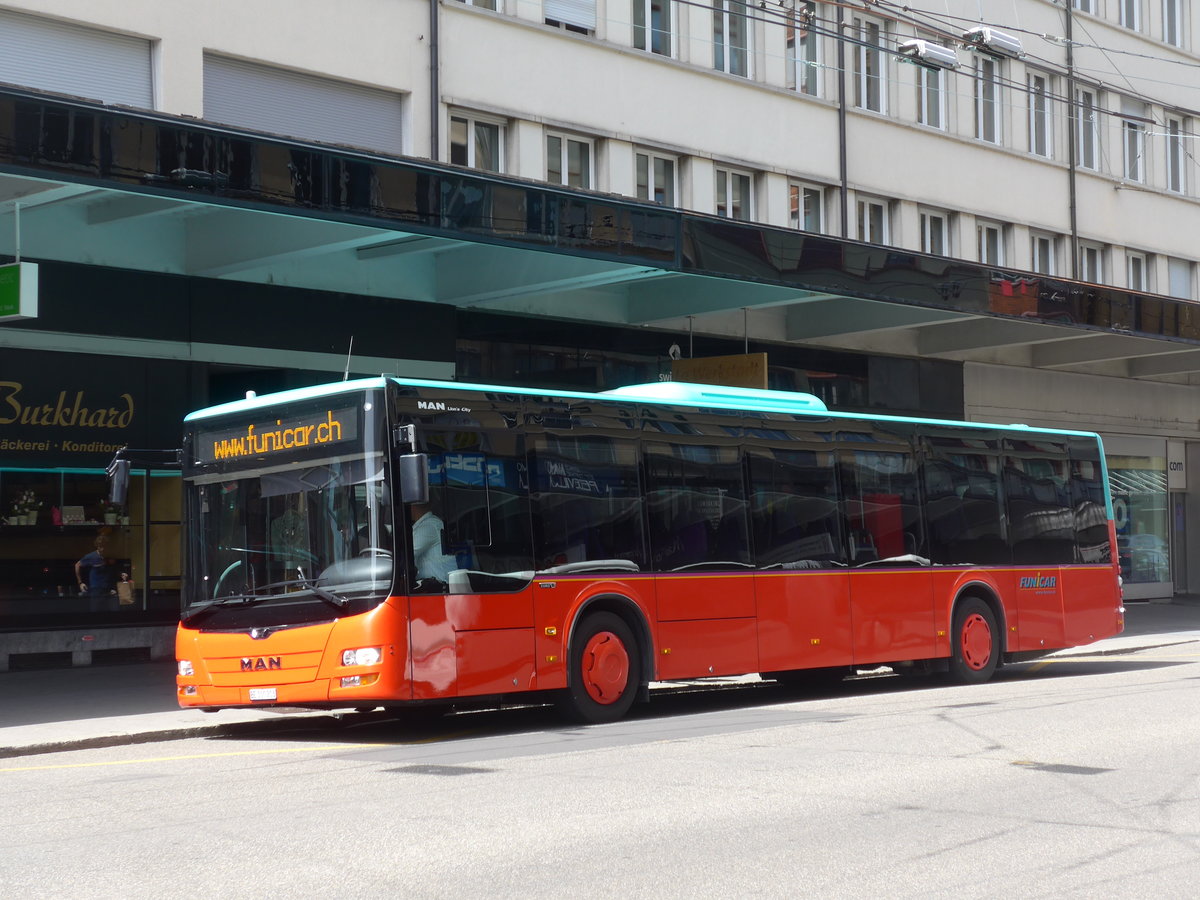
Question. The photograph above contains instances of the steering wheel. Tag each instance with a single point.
(375, 551)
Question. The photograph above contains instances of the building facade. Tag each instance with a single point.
(1049, 150)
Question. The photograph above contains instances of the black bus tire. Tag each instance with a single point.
(605, 670)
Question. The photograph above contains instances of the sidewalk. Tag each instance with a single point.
(98, 706)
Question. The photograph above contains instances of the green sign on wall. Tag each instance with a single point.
(18, 291)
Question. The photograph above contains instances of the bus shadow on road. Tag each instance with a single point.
(764, 703)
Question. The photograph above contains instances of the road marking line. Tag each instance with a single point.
(151, 759)
(454, 735)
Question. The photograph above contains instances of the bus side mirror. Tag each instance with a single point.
(118, 481)
(414, 478)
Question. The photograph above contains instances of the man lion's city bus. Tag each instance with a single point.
(590, 544)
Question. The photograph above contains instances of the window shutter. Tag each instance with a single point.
(71, 59)
(1179, 276)
(581, 13)
(296, 105)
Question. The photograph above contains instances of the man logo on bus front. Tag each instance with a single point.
(261, 664)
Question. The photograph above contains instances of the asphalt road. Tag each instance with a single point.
(1067, 778)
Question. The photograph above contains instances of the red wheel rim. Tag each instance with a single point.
(605, 668)
(976, 640)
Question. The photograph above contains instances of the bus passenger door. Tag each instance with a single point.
(700, 551)
(891, 584)
(471, 598)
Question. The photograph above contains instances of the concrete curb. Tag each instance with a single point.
(298, 722)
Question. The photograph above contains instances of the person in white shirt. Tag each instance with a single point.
(430, 561)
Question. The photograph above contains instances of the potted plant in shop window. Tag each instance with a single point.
(25, 508)
(110, 512)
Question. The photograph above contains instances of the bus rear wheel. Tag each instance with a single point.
(605, 670)
(976, 647)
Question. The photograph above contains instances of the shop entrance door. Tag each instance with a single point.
(1179, 571)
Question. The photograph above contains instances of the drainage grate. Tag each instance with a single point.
(441, 770)
(23, 662)
(120, 656)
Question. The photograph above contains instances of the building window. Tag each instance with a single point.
(734, 194)
(1176, 155)
(1087, 135)
(1179, 277)
(1173, 22)
(990, 239)
(935, 233)
(731, 37)
(656, 178)
(1044, 250)
(476, 143)
(931, 97)
(874, 226)
(484, 4)
(1137, 271)
(1134, 138)
(803, 50)
(1091, 263)
(654, 26)
(1041, 119)
(568, 161)
(1087, 6)
(1131, 14)
(870, 82)
(806, 207)
(1139, 495)
(571, 15)
(987, 100)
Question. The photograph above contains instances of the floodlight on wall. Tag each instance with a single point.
(997, 43)
(929, 54)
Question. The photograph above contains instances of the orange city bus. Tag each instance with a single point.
(389, 542)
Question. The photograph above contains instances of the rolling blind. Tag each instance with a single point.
(308, 107)
(72, 59)
(581, 13)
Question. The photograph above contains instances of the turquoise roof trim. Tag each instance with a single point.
(296, 395)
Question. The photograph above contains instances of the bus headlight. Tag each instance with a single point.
(362, 656)
(185, 668)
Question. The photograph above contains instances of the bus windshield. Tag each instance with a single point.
(302, 522)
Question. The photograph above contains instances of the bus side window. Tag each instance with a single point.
(881, 501)
(696, 505)
(585, 497)
(795, 518)
(1042, 522)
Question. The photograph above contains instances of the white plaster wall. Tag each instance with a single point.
(509, 65)
(1114, 406)
(380, 43)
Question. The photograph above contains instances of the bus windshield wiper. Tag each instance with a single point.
(258, 596)
(328, 596)
(227, 600)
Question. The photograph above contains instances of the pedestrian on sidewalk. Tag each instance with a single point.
(97, 574)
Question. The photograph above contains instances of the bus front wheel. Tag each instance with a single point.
(605, 670)
(976, 646)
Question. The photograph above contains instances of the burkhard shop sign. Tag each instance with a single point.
(75, 410)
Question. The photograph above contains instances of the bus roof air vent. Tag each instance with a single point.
(681, 392)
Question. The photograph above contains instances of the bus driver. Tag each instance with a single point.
(428, 557)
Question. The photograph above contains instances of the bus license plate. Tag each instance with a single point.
(262, 694)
